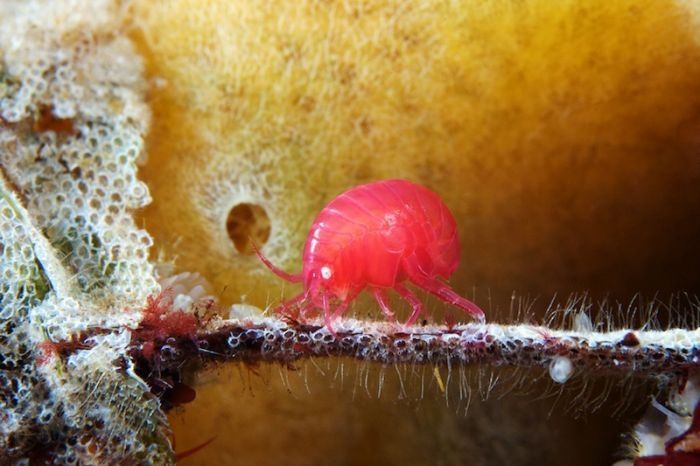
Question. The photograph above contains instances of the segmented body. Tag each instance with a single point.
(377, 236)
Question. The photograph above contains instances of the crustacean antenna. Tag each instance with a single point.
(293, 278)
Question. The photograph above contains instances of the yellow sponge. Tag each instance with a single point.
(503, 107)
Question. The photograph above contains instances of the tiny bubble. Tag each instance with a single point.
(560, 369)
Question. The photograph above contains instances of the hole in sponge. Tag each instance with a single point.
(245, 223)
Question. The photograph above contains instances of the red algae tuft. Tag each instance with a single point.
(161, 321)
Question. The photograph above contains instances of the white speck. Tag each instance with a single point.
(560, 369)
(582, 323)
(326, 272)
(243, 311)
(131, 372)
(182, 302)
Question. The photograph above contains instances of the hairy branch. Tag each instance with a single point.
(644, 353)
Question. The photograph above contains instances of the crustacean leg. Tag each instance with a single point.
(340, 310)
(381, 298)
(286, 308)
(447, 294)
(306, 308)
(328, 316)
(417, 275)
(412, 299)
(326, 305)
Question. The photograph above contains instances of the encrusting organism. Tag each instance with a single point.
(377, 236)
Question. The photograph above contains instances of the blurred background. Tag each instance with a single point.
(564, 136)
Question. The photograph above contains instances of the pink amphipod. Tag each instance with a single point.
(378, 236)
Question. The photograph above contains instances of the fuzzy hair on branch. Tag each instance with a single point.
(640, 353)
